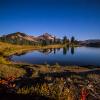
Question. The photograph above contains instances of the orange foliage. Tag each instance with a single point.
(8, 82)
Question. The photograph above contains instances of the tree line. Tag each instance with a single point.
(65, 40)
(42, 42)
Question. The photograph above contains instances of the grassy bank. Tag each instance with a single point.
(7, 49)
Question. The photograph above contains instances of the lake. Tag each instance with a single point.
(82, 56)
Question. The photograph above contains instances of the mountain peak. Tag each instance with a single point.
(19, 33)
(46, 34)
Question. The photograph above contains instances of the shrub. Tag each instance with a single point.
(25, 90)
(7, 71)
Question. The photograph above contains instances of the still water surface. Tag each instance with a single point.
(81, 56)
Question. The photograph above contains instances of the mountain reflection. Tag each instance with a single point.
(46, 51)
(56, 50)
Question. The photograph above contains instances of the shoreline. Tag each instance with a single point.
(22, 49)
(27, 51)
(8, 58)
(30, 48)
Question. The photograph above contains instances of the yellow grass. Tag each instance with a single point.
(7, 49)
(7, 71)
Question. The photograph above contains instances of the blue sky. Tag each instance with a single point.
(79, 18)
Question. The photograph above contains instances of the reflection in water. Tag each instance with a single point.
(46, 51)
(20, 54)
(58, 49)
(83, 56)
(55, 50)
(72, 50)
(64, 50)
(68, 47)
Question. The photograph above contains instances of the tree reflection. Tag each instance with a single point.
(65, 49)
(68, 47)
(72, 50)
(54, 50)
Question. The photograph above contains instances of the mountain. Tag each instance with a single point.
(46, 36)
(21, 38)
(91, 42)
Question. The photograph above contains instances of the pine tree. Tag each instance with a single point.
(72, 39)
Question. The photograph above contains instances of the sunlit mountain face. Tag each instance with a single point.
(44, 36)
(23, 37)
